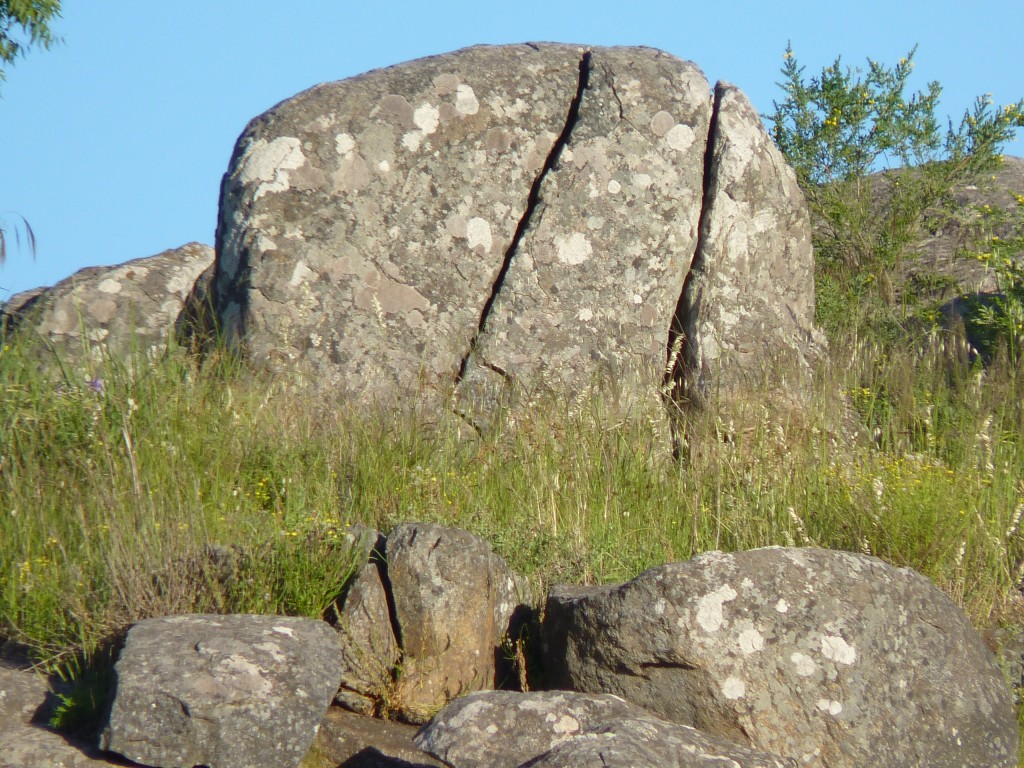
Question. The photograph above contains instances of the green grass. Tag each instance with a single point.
(111, 497)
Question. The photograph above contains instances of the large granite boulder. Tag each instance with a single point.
(832, 658)
(509, 219)
(115, 311)
(222, 691)
(454, 601)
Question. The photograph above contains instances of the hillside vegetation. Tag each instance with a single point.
(115, 482)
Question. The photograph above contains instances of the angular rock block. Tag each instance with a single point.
(222, 691)
(102, 311)
(454, 601)
(832, 658)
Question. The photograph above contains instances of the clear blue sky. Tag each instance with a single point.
(113, 144)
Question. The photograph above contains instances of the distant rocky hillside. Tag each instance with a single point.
(940, 251)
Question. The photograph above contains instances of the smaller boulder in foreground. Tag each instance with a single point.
(222, 691)
(647, 742)
(833, 658)
(455, 600)
(504, 729)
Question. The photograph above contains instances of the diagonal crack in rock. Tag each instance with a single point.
(678, 356)
(533, 206)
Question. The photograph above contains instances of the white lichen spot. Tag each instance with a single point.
(412, 140)
(315, 339)
(642, 180)
(709, 607)
(835, 648)
(638, 299)
(566, 724)
(465, 101)
(478, 232)
(782, 606)
(269, 163)
(491, 729)
(300, 274)
(751, 641)
(427, 117)
(832, 707)
(614, 187)
(344, 143)
(384, 166)
(585, 315)
(680, 138)
(109, 286)
(659, 606)
(734, 688)
(574, 249)
(662, 123)
(805, 665)
(284, 631)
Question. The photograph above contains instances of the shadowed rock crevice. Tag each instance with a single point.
(679, 356)
(533, 204)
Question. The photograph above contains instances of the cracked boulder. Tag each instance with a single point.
(832, 658)
(504, 220)
(222, 691)
(101, 311)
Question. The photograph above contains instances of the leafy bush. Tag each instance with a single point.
(997, 321)
(837, 128)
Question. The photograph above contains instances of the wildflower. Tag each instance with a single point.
(96, 385)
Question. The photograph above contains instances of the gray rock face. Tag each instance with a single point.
(651, 743)
(831, 658)
(504, 729)
(595, 279)
(749, 299)
(222, 691)
(454, 599)
(502, 220)
(112, 310)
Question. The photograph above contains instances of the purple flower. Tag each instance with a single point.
(96, 385)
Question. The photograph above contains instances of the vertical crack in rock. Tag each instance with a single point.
(678, 357)
(533, 201)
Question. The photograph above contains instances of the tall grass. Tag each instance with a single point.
(123, 494)
(161, 487)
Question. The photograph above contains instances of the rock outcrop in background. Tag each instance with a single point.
(113, 311)
(514, 219)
